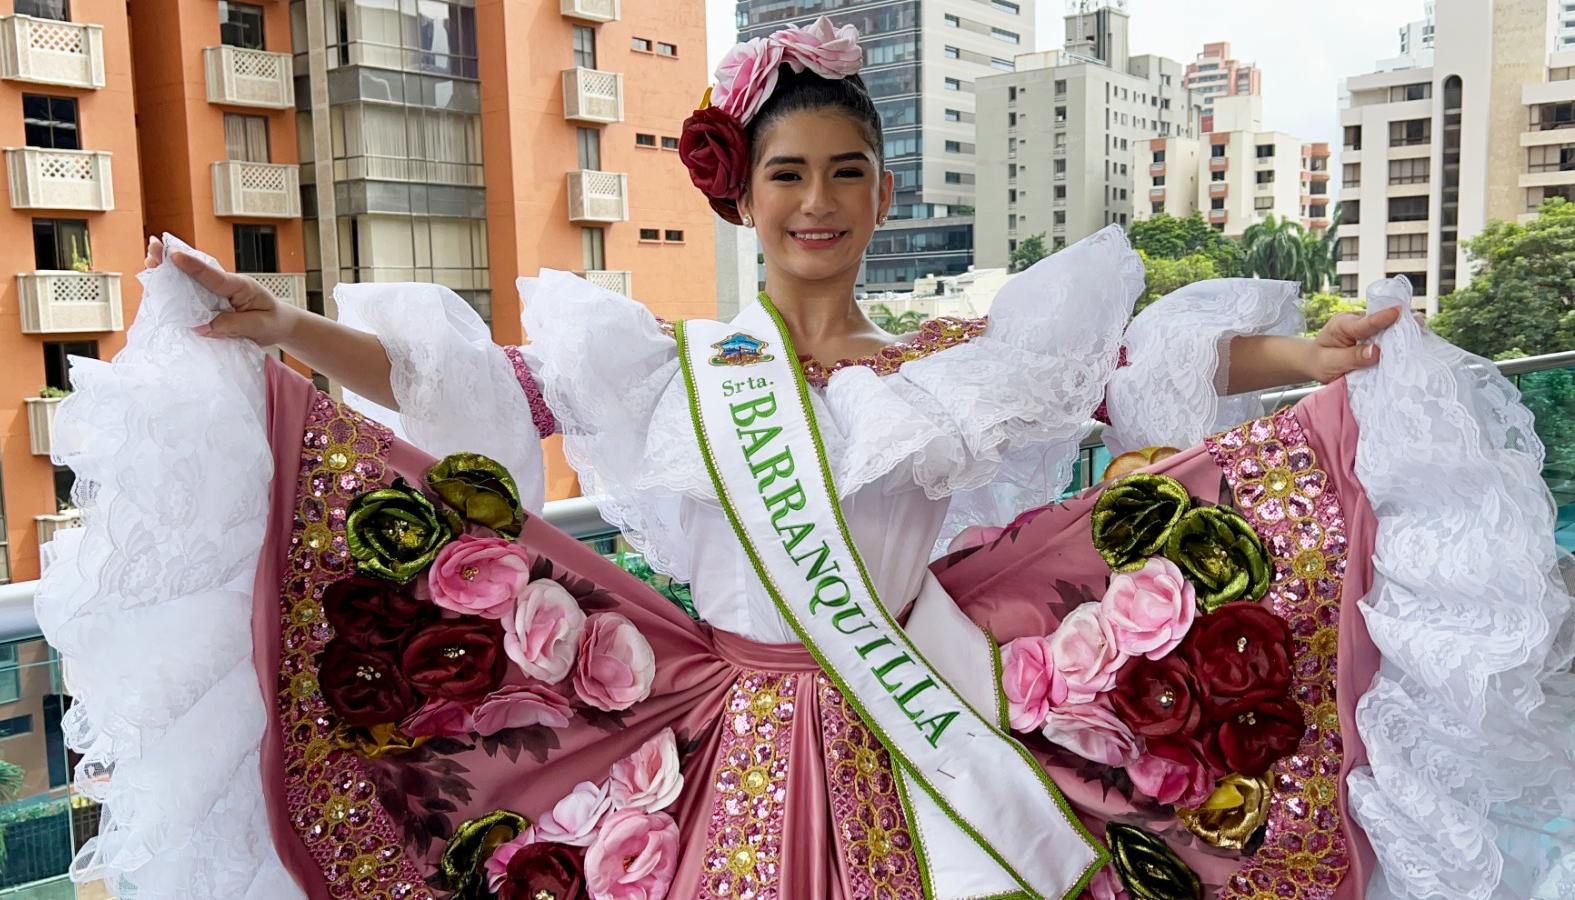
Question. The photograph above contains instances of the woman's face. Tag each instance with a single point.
(815, 194)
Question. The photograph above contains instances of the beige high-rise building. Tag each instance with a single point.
(1214, 76)
(1432, 154)
(1057, 136)
(1236, 176)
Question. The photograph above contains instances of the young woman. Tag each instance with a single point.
(1321, 653)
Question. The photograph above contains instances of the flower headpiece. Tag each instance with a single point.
(713, 144)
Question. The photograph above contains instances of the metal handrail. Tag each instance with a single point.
(579, 517)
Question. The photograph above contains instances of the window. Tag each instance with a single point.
(1353, 137)
(1011, 120)
(1263, 204)
(650, 234)
(1418, 282)
(593, 249)
(61, 244)
(45, 9)
(1059, 217)
(1351, 175)
(640, 44)
(1060, 115)
(953, 115)
(1006, 6)
(1058, 168)
(1011, 170)
(953, 84)
(10, 674)
(1059, 193)
(1420, 91)
(241, 25)
(590, 141)
(1011, 195)
(1349, 285)
(1406, 246)
(1265, 151)
(1216, 176)
(256, 248)
(953, 21)
(51, 122)
(1156, 208)
(954, 178)
(954, 146)
(57, 360)
(1011, 93)
(1159, 181)
(1005, 65)
(1159, 157)
(1266, 177)
(1217, 151)
(1407, 209)
(1351, 212)
(666, 49)
(644, 140)
(1060, 87)
(1410, 132)
(1217, 203)
(673, 236)
(246, 138)
(1010, 37)
(953, 53)
(1318, 210)
(584, 47)
(669, 143)
(1551, 159)
(15, 725)
(1348, 247)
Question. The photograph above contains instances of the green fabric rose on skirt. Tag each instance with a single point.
(471, 846)
(1149, 869)
(394, 532)
(480, 488)
(1220, 554)
(1133, 517)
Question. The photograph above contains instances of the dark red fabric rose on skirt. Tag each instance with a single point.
(1255, 733)
(365, 687)
(459, 660)
(715, 149)
(374, 614)
(1158, 697)
(544, 870)
(1239, 650)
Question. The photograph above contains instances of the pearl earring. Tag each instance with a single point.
(748, 222)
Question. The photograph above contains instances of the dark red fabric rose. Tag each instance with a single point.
(715, 149)
(1158, 697)
(365, 687)
(1255, 733)
(537, 871)
(460, 660)
(1241, 649)
(373, 614)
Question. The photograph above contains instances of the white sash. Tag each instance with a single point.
(974, 795)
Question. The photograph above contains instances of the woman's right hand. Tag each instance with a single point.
(257, 315)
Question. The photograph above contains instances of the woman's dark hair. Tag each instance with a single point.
(799, 91)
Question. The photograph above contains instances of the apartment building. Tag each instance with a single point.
(1213, 74)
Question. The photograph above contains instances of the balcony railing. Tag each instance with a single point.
(590, 10)
(610, 280)
(48, 525)
(593, 96)
(286, 287)
(258, 190)
(41, 423)
(241, 77)
(60, 179)
(45, 51)
(598, 196)
(63, 302)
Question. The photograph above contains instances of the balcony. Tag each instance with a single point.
(256, 190)
(1217, 217)
(592, 96)
(61, 302)
(60, 179)
(1156, 193)
(287, 288)
(590, 10)
(44, 51)
(41, 423)
(1156, 169)
(1218, 189)
(256, 78)
(48, 525)
(609, 280)
(1219, 163)
(598, 196)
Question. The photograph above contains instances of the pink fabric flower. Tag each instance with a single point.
(616, 665)
(519, 705)
(974, 536)
(544, 630)
(1106, 885)
(497, 866)
(823, 48)
(438, 717)
(1085, 653)
(479, 576)
(1031, 681)
(575, 819)
(1092, 731)
(634, 857)
(648, 779)
(745, 77)
(1149, 610)
(1173, 782)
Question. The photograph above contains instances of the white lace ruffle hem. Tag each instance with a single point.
(149, 604)
(1470, 723)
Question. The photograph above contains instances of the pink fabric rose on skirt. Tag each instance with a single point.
(1183, 781)
(1031, 682)
(1149, 610)
(576, 818)
(1106, 885)
(497, 866)
(648, 779)
(616, 665)
(479, 576)
(1092, 731)
(745, 77)
(438, 717)
(634, 857)
(520, 705)
(1085, 653)
(544, 631)
(823, 48)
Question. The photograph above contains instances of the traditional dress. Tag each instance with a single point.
(1405, 530)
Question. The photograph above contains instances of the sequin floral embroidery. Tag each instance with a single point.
(934, 336)
(871, 831)
(332, 803)
(1278, 486)
(743, 857)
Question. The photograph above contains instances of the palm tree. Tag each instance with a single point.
(1321, 253)
(886, 320)
(1275, 248)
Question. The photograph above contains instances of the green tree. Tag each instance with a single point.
(1178, 237)
(886, 320)
(11, 776)
(1163, 275)
(1320, 253)
(1319, 308)
(1276, 248)
(1030, 251)
(1522, 294)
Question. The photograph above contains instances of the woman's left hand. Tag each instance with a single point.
(1341, 345)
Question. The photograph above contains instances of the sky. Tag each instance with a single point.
(1303, 55)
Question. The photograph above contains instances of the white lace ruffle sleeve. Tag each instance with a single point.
(1172, 390)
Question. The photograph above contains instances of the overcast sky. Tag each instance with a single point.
(1303, 49)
